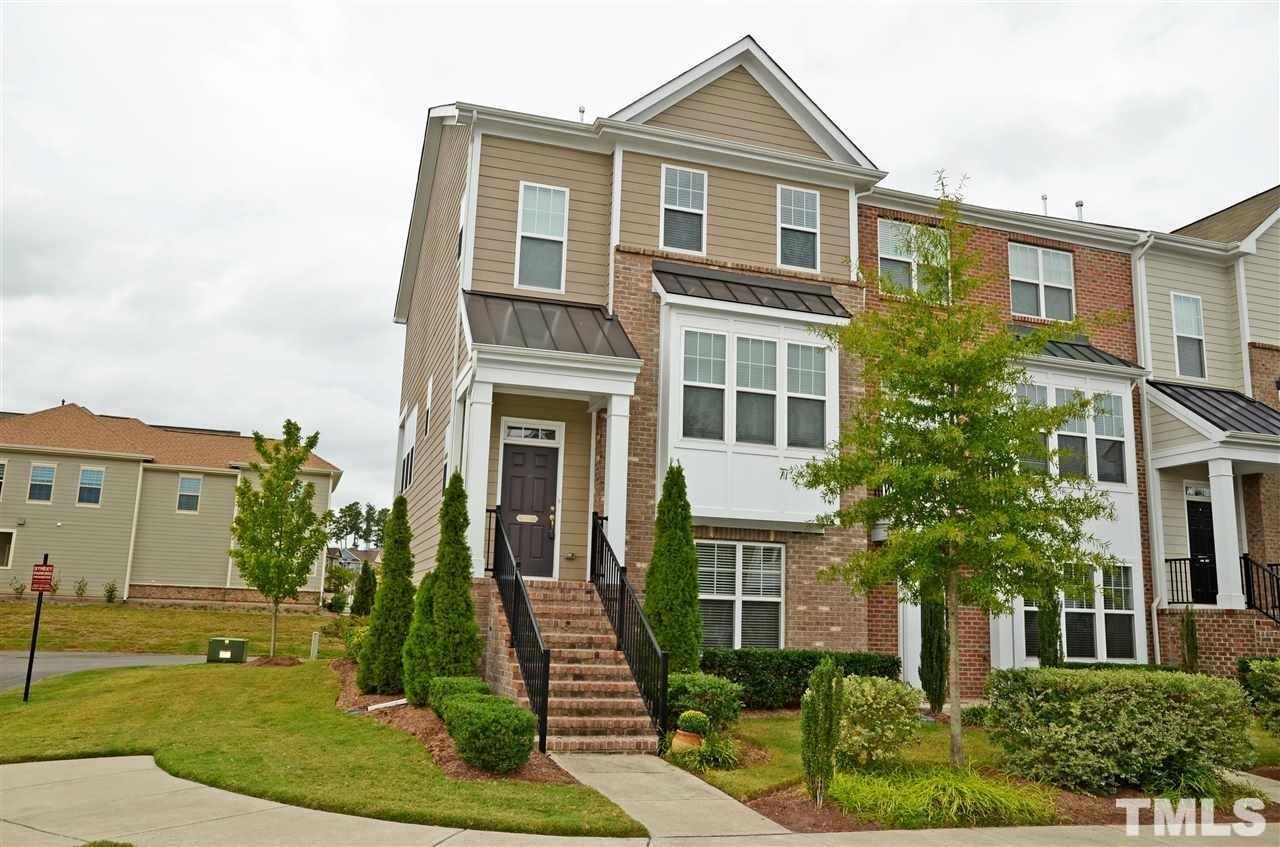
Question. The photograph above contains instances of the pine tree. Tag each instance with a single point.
(366, 588)
(417, 647)
(671, 584)
(381, 663)
(1049, 617)
(456, 643)
(933, 651)
(820, 710)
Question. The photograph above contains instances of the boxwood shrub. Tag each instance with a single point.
(491, 733)
(443, 687)
(1261, 681)
(717, 698)
(776, 679)
(1098, 731)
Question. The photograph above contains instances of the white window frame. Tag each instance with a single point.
(177, 499)
(13, 545)
(827, 432)
(761, 391)
(724, 388)
(1099, 437)
(738, 597)
(663, 206)
(816, 230)
(1099, 612)
(895, 257)
(101, 488)
(406, 449)
(521, 235)
(1040, 283)
(4, 469)
(53, 483)
(1202, 337)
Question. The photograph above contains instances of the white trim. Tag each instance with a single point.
(663, 207)
(1249, 243)
(235, 510)
(503, 440)
(73, 451)
(5, 461)
(80, 484)
(737, 598)
(1041, 284)
(1186, 416)
(52, 483)
(615, 217)
(523, 369)
(1202, 338)
(1141, 306)
(1242, 309)
(13, 545)
(177, 500)
(133, 533)
(816, 230)
(471, 190)
(521, 235)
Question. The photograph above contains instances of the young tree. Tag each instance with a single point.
(933, 651)
(956, 458)
(381, 661)
(456, 644)
(671, 585)
(417, 647)
(278, 534)
(820, 710)
(366, 589)
(367, 522)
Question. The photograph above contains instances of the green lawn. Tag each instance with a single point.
(275, 733)
(1266, 744)
(153, 629)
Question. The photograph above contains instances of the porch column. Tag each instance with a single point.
(617, 441)
(1226, 538)
(475, 469)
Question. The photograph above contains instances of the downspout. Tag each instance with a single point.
(1242, 308)
(133, 534)
(1142, 324)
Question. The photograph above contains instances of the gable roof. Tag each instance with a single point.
(1236, 222)
(1224, 408)
(747, 53)
(72, 427)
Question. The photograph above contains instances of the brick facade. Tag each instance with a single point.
(1262, 491)
(1224, 635)
(307, 600)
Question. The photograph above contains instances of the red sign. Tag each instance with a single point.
(42, 577)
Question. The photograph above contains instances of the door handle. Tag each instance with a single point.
(551, 521)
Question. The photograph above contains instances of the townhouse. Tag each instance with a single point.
(586, 303)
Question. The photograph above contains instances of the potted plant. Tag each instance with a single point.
(691, 726)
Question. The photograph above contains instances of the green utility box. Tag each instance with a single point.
(227, 649)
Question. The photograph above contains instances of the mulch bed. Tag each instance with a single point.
(429, 729)
(275, 661)
(1268, 771)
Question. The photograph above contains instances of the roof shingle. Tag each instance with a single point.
(1237, 221)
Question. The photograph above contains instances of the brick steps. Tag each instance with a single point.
(583, 672)
(603, 743)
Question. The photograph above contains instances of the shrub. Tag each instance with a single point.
(82, 587)
(880, 715)
(455, 643)
(671, 583)
(336, 579)
(694, 721)
(718, 752)
(110, 591)
(337, 603)
(717, 698)
(381, 665)
(976, 715)
(491, 733)
(1112, 666)
(417, 645)
(366, 590)
(354, 637)
(940, 797)
(17, 587)
(1050, 619)
(1262, 684)
(933, 653)
(1097, 731)
(820, 712)
(444, 687)
(54, 585)
(776, 679)
(1190, 642)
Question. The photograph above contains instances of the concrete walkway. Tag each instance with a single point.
(129, 799)
(13, 663)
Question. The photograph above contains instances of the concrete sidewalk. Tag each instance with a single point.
(129, 799)
(13, 663)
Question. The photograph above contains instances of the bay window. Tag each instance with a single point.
(704, 365)
(1108, 426)
(797, 228)
(1041, 282)
(757, 390)
(1073, 438)
(740, 594)
(806, 393)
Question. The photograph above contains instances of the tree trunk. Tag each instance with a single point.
(953, 672)
(275, 611)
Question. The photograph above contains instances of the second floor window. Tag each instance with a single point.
(90, 493)
(40, 490)
(189, 493)
(684, 209)
(1188, 332)
(704, 363)
(1042, 282)
(806, 396)
(797, 228)
(541, 241)
(2, 466)
(406, 441)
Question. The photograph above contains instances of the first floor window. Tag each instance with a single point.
(704, 377)
(740, 594)
(806, 396)
(1118, 612)
(41, 487)
(1188, 331)
(542, 237)
(1098, 623)
(90, 493)
(189, 493)
(6, 549)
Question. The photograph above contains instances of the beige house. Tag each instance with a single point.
(113, 499)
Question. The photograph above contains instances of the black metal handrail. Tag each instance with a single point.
(531, 651)
(1261, 586)
(1192, 579)
(647, 660)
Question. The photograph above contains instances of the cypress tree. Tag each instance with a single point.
(417, 646)
(381, 664)
(1190, 642)
(933, 651)
(820, 710)
(671, 585)
(1050, 617)
(455, 646)
(366, 587)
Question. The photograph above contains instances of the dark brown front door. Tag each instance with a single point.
(1204, 573)
(529, 505)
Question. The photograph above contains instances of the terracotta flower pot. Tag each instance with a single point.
(686, 740)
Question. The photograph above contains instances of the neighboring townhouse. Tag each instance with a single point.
(113, 499)
(1212, 337)
(586, 303)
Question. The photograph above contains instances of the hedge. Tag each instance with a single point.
(444, 687)
(1261, 681)
(776, 679)
(1097, 731)
(491, 733)
(717, 698)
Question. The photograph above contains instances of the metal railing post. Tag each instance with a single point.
(622, 603)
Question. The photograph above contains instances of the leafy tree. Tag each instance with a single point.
(278, 534)
(366, 590)
(367, 522)
(1049, 617)
(417, 647)
(956, 457)
(456, 645)
(933, 652)
(671, 585)
(381, 661)
(347, 523)
(378, 526)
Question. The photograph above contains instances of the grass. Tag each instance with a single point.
(1266, 745)
(938, 796)
(274, 732)
(121, 628)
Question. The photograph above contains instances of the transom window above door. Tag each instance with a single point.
(798, 228)
(542, 238)
(684, 209)
(1042, 282)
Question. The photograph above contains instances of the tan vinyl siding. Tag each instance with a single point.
(183, 548)
(742, 213)
(1215, 285)
(738, 108)
(91, 543)
(1168, 432)
(430, 341)
(504, 163)
(1262, 288)
(572, 516)
(1173, 506)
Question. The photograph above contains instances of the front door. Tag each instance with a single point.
(1204, 574)
(529, 505)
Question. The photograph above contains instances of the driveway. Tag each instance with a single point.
(13, 663)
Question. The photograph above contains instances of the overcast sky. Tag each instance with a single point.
(204, 207)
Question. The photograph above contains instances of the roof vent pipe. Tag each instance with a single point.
(1079, 210)
(582, 114)
(1044, 203)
